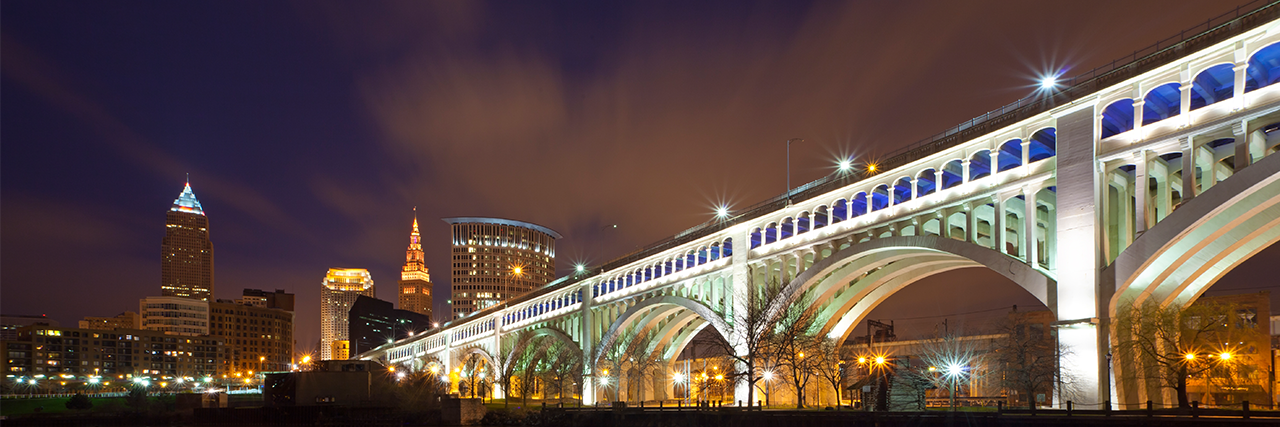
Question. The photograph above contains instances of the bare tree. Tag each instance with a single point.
(1173, 343)
(564, 368)
(794, 341)
(471, 368)
(507, 361)
(750, 343)
(531, 365)
(1026, 357)
(829, 364)
(641, 363)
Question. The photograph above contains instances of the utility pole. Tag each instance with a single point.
(789, 141)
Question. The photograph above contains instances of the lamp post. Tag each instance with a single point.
(789, 141)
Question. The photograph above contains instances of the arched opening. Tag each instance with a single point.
(1117, 118)
(957, 223)
(1010, 155)
(952, 174)
(1263, 69)
(820, 217)
(788, 227)
(771, 233)
(803, 223)
(858, 205)
(925, 182)
(757, 238)
(1118, 208)
(1163, 102)
(880, 197)
(1043, 145)
(902, 190)
(1214, 84)
(979, 165)
(839, 211)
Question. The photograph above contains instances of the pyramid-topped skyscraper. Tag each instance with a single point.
(186, 260)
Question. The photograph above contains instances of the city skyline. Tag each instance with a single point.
(278, 172)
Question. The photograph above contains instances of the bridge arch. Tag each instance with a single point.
(642, 315)
(850, 283)
(1180, 257)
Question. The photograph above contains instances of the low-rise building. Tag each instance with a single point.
(174, 315)
(259, 332)
(44, 351)
(126, 320)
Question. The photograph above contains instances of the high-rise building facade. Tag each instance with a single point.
(258, 333)
(415, 281)
(186, 261)
(338, 292)
(497, 259)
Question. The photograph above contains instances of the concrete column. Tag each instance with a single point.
(1184, 104)
(1140, 192)
(1207, 161)
(937, 179)
(741, 286)
(971, 228)
(1076, 229)
(1026, 152)
(964, 165)
(1188, 169)
(1138, 114)
(1029, 225)
(1257, 146)
(995, 160)
(1237, 92)
(1241, 146)
(999, 234)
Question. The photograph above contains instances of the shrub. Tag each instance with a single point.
(79, 402)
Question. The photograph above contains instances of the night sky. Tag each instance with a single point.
(311, 130)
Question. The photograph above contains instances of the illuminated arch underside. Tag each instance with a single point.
(1186, 253)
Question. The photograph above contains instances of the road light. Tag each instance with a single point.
(722, 212)
(1048, 82)
(580, 268)
(1225, 356)
(845, 164)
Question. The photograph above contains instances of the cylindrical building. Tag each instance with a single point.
(497, 259)
(338, 292)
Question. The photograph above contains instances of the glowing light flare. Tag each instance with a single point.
(678, 378)
(955, 370)
(722, 212)
(872, 168)
(845, 164)
(1191, 356)
(1225, 356)
(580, 268)
(880, 360)
(862, 360)
(768, 375)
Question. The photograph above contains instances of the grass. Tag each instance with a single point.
(58, 405)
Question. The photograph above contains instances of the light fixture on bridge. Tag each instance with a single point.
(1048, 82)
(580, 268)
(722, 212)
(845, 164)
(871, 168)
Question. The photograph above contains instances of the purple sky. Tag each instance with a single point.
(310, 130)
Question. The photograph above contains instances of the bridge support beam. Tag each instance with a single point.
(1077, 219)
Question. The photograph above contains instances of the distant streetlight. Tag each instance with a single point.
(722, 212)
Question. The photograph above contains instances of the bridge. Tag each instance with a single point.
(1154, 173)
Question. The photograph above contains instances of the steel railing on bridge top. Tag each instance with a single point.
(1214, 30)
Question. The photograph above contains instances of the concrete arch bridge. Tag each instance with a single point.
(1157, 176)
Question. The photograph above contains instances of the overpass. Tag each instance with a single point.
(1148, 178)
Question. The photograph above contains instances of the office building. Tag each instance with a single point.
(415, 282)
(497, 259)
(174, 315)
(186, 260)
(375, 322)
(338, 292)
(259, 334)
(44, 351)
(126, 320)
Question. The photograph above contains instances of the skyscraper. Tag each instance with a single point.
(186, 261)
(415, 281)
(497, 259)
(338, 292)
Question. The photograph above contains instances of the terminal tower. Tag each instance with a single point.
(415, 282)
